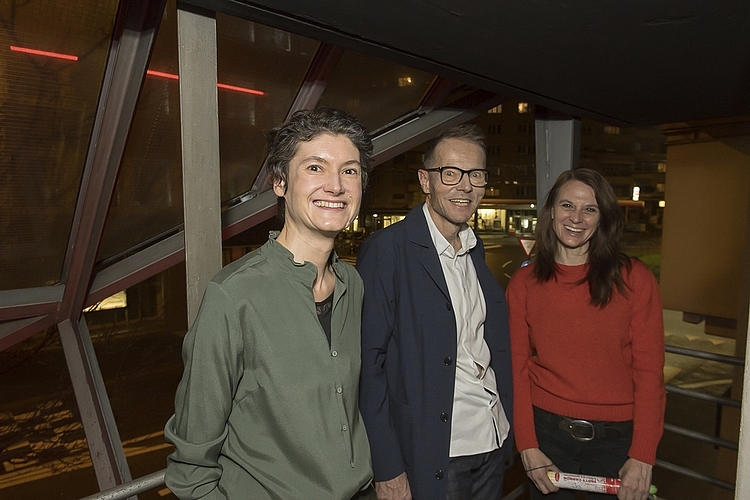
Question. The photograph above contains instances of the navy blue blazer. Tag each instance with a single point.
(409, 344)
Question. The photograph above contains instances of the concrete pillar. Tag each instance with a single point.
(199, 117)
(558, 148)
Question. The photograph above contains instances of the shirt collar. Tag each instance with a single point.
(465, 234)
(284, 257)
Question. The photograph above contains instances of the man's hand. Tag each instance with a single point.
(635, 477)
(536, 464)
(394, 489)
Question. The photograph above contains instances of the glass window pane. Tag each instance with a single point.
(138, 342)
(260, 70)
(43, 446)
(147, 201)
(52, 59)
(374, 90)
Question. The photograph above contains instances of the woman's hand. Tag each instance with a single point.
(635, 477)
(536, 464)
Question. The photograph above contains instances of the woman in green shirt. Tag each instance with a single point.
(267, 406)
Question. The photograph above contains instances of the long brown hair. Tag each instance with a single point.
(605, 258)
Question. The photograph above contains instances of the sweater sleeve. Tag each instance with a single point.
(647, 334)
(520, 344)
(213, 366)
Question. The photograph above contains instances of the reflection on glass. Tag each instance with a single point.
(374, 90)
(269, 62)
(138, 349)
(147, 201)
(43, 441)
(259, 73)
(52, 58)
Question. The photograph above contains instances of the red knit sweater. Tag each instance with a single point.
(581, 361)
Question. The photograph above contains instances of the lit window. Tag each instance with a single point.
(662, 166)
(636, 193)
(611, 130)
(523, 107)
(496, 110)
(662, 203)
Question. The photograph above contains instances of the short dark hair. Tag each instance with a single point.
(467, 132)
(604, 255)
(305, 125)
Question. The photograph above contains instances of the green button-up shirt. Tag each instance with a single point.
(266, 409)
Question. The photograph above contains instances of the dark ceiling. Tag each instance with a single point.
(640, 62)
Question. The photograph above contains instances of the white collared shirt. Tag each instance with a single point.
(478, 423)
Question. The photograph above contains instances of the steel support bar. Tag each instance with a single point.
(558, 148)
(684, 471)
(140, 485)
(423, 127)
(107, 454)
(199, 118)
(700, 436)
(702, 395)
(694, 353)
(315, 81)
(133, 37)
(14, 332)
(22, 303)
(244, 216)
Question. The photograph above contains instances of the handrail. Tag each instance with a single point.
(711, 356)
(131, 488)
(156, 479)
(695, 475)
(702, 395)
(699, 436)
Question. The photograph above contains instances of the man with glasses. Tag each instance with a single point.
(435, 390)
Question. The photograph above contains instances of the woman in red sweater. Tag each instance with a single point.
(587, 339)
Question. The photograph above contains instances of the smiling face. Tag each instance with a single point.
(324, 188)
(452, 206)
(575, 217)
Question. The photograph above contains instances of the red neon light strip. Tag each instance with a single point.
(224, 86)
(43, 53)
(240, 89)
(151, 72)
(171, 76)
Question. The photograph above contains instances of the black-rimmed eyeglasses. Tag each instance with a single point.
(450, 176)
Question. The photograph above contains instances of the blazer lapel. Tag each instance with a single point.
(424, 249)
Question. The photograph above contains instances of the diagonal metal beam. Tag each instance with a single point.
(102, 437)
(14, 332)
(169, 252)
(27, 302)
(313, 85)
(133, 38)
(439, 91)
(253, 211)
(423, 127)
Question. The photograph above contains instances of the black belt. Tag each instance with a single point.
(586, 430)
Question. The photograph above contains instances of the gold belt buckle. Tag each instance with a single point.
(582, 430)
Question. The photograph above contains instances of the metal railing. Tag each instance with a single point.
(156, 479)
(131, 488)
(719, 400)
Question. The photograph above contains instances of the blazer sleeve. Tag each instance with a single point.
(377, 264)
